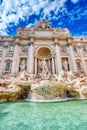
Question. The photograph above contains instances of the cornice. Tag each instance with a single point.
(59, 37)
(7, 38)
(80, 42)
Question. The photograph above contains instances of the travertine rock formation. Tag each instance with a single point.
(47, 90)
(66, 85)
(15, 89)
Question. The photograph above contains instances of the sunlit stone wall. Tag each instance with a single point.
(30, 46)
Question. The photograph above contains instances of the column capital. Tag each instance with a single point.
(69, 44)
(17, 42)
(79, 46)
(53, 55)
(35, 56)
(56, 42)
(31, 42)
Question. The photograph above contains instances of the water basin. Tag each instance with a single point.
(23, 115)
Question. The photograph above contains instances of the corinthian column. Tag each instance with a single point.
(53, 66)
(82, 59)
(16, 58)
(58, 61)
(72, 62)
(30, 66)
(35, 65)
(3, 64)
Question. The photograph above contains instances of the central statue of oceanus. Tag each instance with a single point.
(44, 71)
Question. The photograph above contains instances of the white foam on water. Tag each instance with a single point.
(56, 100)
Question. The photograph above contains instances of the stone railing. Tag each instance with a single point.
(23, 54)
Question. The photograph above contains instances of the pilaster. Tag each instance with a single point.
(16, 58)
(35, 65)
(58, 61)
(30, 63)
(3, 62)
(71, 58)
(53, 66)
(82, 59)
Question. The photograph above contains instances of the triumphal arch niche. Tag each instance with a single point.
(45, 61)
(42, 49)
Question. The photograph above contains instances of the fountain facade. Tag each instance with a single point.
(43, 87)
(48, 61)
(31, 46)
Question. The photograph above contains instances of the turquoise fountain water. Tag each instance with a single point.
(69, 115)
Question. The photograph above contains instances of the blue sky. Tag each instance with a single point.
(71, 14)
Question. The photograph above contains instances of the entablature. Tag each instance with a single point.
(6, 38)
(80, 39)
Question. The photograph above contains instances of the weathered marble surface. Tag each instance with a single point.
(13, 88)
(66, 85)
(47, 90)
(50, 90)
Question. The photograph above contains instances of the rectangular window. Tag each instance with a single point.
(8, 66)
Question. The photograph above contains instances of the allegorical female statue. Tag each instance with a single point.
(22, 65)
(65, 65)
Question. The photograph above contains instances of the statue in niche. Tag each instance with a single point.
(65, 65)
(45, 74)
(22, 65)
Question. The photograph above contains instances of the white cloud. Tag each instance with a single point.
(11, 11)
(74, 1)
(30, 25)
(53, 6)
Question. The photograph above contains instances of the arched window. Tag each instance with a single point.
(8, 65)
(78, 62)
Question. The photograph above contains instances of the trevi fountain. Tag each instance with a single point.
(43, 88)
(60, 110)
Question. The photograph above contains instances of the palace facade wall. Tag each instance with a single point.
(31, 46)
